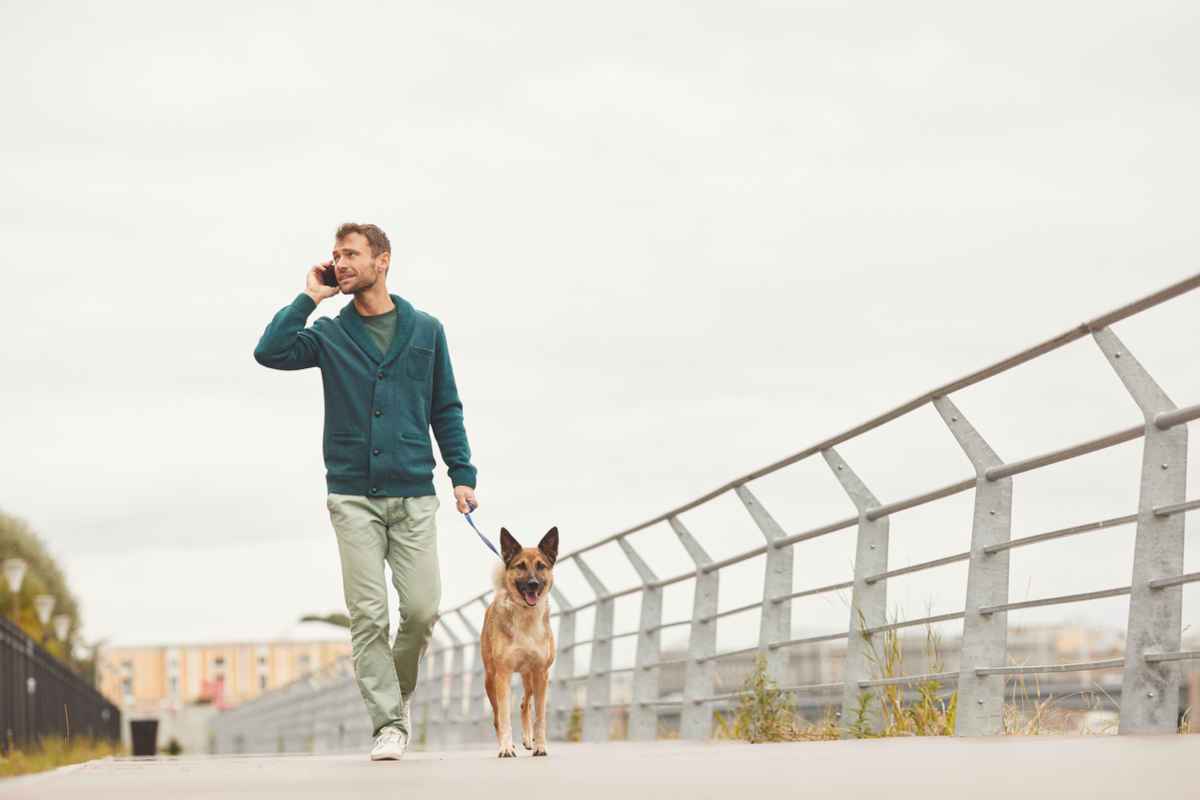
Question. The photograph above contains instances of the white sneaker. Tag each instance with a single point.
(390, 744)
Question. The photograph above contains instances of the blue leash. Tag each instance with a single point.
(482, 538)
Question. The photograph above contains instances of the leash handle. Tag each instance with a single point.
(479, 533)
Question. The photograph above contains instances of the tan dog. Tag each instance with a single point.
(516, 637)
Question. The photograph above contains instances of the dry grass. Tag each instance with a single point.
(56, 752)
(928, 714)
(766, 713)
(575, 725)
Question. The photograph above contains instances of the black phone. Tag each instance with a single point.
(328, 275)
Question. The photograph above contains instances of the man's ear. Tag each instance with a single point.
(509, 547)
(549, 545)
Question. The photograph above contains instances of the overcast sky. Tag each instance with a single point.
(670, 243)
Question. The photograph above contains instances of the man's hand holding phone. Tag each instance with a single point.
(322, 283)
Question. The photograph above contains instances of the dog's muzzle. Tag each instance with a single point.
(529, 591)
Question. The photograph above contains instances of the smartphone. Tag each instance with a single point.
(329, 276)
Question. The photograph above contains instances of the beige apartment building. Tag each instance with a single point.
(147, 680)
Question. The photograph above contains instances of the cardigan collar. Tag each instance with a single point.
(353, 324)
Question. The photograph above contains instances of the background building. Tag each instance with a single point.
(184, 684)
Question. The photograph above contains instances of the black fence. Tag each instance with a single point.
(41, 697)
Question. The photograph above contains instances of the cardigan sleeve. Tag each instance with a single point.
(446, 417)
(286, 343)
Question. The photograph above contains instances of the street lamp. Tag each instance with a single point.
(62, 626)
(44, 605)
(14, 573)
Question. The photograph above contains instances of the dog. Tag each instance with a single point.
(516, 637)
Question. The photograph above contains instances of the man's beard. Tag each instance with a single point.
(358, 287)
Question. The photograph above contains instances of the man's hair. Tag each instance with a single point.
(376, 238)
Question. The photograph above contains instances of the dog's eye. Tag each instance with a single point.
(541, 567)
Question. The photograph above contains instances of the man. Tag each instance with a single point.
(387, 380)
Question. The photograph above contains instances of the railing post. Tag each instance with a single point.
(696, 719)
(599, 693)
(776, 619)
(985, 636)
(1150, 691)
(562, 695)
(434, 718)
(454, 702)
(868, 604)
(476, 699)
(643, 719)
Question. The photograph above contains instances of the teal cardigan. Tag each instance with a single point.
(379, 407)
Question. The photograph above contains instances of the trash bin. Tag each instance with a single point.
(144, 734)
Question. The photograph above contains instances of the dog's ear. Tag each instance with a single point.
(509, 547)
(549, 545)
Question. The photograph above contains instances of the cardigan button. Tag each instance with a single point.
(378, 413)
(374, 490)
(379, 374)
(375, 452)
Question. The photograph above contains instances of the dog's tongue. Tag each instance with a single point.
(530, 598)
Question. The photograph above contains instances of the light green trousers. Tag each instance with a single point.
(401, 531)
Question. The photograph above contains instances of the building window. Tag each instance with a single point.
(262, 681)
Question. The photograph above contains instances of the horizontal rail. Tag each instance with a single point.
(830, 637)
(1020, 466)
(1181, 655)
(1175, 508)
(1054, 601)
(669, 662)
(1169, 419)
(731, 560)
(921, 499)
(937, 562)
(717, 697)
(727, 654)
(833, 587)
(614, 671)
(660, 702)
(1081, 666)
(1087, 527)
(907, 679)
(911, 622)
(1162, 583)
(832, 527)
(730, 612)
(813, 687)
(994, 473)
(1053, 457)
(1028, 354)
(666, 625)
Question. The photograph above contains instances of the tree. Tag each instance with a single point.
(18, 540)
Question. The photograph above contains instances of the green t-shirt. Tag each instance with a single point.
(382, 327)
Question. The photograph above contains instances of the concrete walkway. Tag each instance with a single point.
(1012, 769)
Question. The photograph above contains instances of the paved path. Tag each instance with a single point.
(964, 769)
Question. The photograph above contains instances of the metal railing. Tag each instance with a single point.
(40, 697)
(449, 704)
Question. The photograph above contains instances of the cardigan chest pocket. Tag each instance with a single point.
(419, 363)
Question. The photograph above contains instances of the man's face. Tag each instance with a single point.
(356, 270)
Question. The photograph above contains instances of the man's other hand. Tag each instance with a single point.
(464, 496)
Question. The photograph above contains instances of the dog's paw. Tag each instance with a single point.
(541, 751)
(527, 744)
(507, 752)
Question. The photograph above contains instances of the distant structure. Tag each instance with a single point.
(184, 685)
